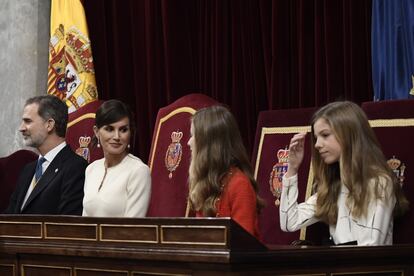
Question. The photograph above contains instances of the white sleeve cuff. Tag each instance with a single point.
(289, 181)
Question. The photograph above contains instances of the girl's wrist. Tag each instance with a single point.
(291, 172)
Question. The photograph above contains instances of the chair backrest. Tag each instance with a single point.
(80, 131)
(275, 128)
(393, 123)
(10, 168)
(170, 155)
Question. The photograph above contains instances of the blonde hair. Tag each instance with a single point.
(218, 147)
(362, 167)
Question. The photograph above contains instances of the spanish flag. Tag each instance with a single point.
(71, 75)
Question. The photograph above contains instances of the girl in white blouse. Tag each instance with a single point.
(356, 192)
(118, 185)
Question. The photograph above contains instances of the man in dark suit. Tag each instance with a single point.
(54, 183)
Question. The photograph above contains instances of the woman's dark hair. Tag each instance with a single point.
(112, 111)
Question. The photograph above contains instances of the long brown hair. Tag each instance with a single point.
(218, 147)
(361, 163)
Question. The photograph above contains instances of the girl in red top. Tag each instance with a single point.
(221, 178)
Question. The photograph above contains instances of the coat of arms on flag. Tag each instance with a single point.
(71, 74)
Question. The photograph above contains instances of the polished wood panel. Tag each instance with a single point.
(70, 245)
(21, 229)
(7, 269)
(129, 233)
(189, 234)
(70, 231)
(101, 272)
(44, 270)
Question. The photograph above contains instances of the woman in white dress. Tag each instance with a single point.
(118, 185)
(357, 194)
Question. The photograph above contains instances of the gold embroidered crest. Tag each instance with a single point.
(83, 149)
(279, 169)
(398, 168)
(174, 152)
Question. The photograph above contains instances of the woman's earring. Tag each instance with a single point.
(129, 146)
(98, 144)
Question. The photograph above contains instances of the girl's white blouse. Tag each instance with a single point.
(374, 229)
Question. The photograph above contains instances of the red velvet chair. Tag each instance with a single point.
(170, 155)
(80, 132)
(393, 123)
(10, 168)
(275, 128)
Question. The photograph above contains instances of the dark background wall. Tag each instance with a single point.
(251, 55)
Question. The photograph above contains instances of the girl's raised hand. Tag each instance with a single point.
(296, 153)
